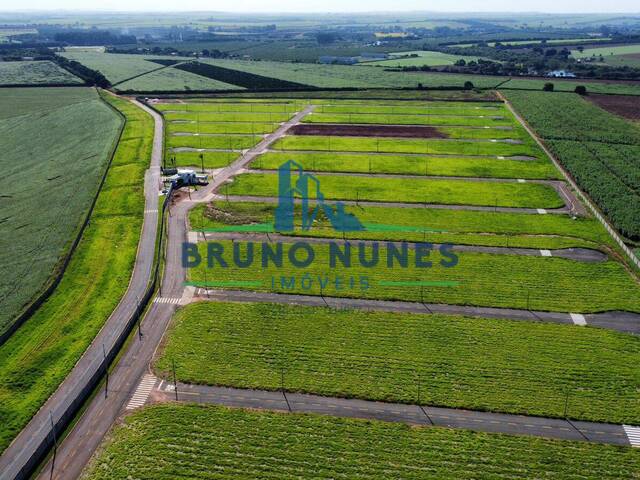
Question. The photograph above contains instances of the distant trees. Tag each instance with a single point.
(325, 38)
(548, 87)
(468, 85)
(581, 90)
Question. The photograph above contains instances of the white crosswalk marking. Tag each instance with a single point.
(633, 434)
(578, 319)
(171, 300)
(541, 211)
(545, 253)
(141, 394)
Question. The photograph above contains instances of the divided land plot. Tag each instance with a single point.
(223, 129)
(461, 362)
(35, 73)
(39, 355)
(410, 190)
(619, 55)
(56, 144)
(172, 79)
(459, 227)
(419, 58)
(241, 443)
(412, 164)
(480, 279)
(600, 150)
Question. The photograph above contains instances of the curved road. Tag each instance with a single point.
(105, 407)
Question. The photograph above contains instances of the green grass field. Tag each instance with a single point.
(173, 79)
(419, 58)
(460, 227)
(220, 127)
(462, 362)
(253, 117)
(55, 146)
(402, 119)
(288, 107)
(411, 164)
(210, 159)
(116, 67)
(411, 190)
(35, 73)
(227, 142)
(41, 353)
(414, 108)
(163, 441)
(405, 145)
(512, 281)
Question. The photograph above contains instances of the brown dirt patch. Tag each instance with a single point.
(397, 131)
(627, 106)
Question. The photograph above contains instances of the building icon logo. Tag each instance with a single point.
(303, 185)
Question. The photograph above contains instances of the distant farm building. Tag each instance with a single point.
(561, 74)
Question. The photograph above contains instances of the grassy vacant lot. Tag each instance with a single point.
(220, 107)
(462, 227)
(55, 151)
(35, 73)
(536, 283)
(412, 164)
(599, 149)
(422, 108)
(209, 159)
(257, 117)
(40, 354)
(220, 127)
(230, 142)
(411, 190)
(216, 442)
(401, 119)
(404, 145)
(463, 362)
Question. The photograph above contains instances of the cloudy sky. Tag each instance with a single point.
(551, 6)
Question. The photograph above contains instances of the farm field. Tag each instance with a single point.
(461, 362)
(39, 355)
(35, 73)
(615, 55)
(459, 227)
(172, 79)
(242, 443)
(115, 67)
(419, 58)
(598, 148)
(481, 279)
(411, 190)
(48, 137)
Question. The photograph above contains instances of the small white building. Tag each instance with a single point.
(561, 74)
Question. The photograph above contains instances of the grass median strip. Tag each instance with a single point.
(410, 190)
(208, 441)
(41, 353)
(447, 360)
(533, 283)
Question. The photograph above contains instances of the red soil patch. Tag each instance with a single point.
(368, 131)
(627, 106)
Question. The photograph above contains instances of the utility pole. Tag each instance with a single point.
(175, 382)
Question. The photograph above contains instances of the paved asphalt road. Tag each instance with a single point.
(101, 412)
(77, 448)
(394, 412)
(35, 433)
(625, 322)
